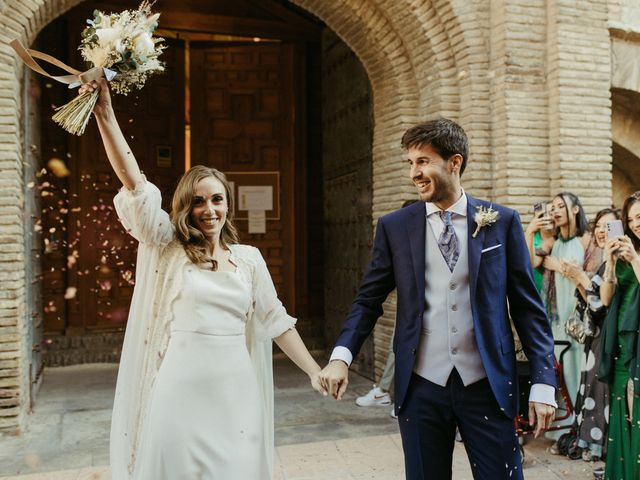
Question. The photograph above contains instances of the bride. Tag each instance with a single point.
(194, 396)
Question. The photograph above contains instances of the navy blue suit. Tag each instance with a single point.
(501, 285)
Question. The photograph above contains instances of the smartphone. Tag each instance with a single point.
(614, 228)
(538, 209)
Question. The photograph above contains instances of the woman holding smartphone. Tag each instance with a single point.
(540, 235)
(620, 353)
(592, 404)
(570, 246)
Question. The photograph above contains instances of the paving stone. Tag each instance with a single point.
(316, 437)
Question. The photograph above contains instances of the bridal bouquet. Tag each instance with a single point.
(123, 46)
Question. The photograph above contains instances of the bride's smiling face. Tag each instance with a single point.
(209, 207)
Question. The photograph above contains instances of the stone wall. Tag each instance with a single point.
(347, 133)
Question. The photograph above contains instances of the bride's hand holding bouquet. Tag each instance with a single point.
(103, 107)
(119, 47)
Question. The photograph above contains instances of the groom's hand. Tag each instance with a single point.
(335, 378)
(541, 417)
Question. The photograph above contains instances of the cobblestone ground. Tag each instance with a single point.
(316, 438)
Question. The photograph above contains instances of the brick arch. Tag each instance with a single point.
(421, 62)
(368, 31)
(625, 125)
(24, 22)
(416, 54)
(21, 19)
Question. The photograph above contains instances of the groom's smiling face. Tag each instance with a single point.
(437, 179)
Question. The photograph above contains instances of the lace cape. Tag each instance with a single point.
(160, 264)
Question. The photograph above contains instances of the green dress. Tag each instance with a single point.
(620, 350)
(538, 273)
(570, 250)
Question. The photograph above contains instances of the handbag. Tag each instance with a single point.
(576, 327)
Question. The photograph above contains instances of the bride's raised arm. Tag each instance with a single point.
(139, 204)
(119, 153)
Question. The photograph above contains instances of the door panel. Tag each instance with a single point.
(242, 122)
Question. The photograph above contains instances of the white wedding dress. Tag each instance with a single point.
(205, 415)
(194, 396)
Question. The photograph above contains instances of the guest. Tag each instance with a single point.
(620, 360)
(570, 246)
(593, 396)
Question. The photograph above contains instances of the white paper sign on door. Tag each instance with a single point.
(255, 197)
(257, 221)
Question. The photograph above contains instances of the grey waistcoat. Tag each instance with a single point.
(447, 338)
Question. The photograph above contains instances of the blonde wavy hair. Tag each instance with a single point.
(194, 242)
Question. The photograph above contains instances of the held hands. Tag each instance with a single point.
(335, 378)
(541, 417)
(316, 383)
(103, 105)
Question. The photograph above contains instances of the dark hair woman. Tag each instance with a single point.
(620, 353)
(592, 404)
(570, 248)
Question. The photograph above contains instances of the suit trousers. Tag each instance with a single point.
(428, 422)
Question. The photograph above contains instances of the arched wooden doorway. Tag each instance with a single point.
(233, 97)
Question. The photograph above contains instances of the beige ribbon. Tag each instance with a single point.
(74, 80)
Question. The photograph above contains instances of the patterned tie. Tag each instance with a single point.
(448, 241)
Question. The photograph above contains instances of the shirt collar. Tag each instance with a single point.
(459, 208)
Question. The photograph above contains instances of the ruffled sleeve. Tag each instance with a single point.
(140, 211)
(270, 316)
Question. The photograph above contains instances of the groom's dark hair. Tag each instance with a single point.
(445, 136)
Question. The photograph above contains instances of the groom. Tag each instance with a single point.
(459, 280)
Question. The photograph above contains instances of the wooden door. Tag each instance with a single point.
(242, 122)
(242, 116)
(99, 255)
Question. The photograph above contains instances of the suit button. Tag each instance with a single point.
(413, 351)
(452, 286)
(454, 308)
(454, 330)
(454, 351)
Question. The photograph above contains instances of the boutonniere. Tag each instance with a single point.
(484, 217)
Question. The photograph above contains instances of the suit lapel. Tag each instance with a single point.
(474, 245)
(416, 229)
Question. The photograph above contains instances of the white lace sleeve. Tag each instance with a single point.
(269, 313)
(140, 211)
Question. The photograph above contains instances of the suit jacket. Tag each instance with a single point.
(501, 284)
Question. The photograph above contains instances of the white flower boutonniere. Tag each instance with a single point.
(484, 217)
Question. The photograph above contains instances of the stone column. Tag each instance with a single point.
(579, 79)
(519, 102)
